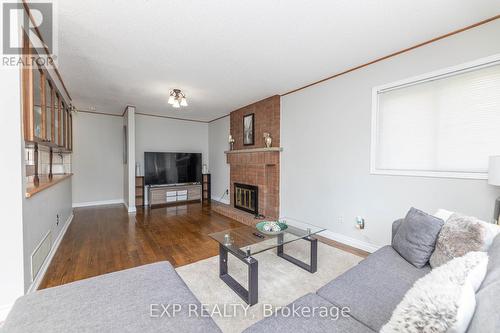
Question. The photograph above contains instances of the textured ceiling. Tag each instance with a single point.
(226, 54)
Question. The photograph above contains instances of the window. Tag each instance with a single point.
(443, 124)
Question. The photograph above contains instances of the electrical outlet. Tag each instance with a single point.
(360, 222)
(57, 219)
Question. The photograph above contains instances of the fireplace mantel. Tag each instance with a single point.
(255, 150)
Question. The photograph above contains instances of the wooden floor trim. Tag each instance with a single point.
(396, 53)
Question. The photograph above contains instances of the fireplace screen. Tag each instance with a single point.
(246, 197)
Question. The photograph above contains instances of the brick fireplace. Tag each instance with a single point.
(246, 198)
(260, 169)
(255, 165)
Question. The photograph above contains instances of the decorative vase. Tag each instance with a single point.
(231, 142)
(268, 140)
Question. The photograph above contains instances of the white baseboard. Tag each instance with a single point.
(130, 209)
(97, 203)
(224, 201)
(365, 246)
(41, 273)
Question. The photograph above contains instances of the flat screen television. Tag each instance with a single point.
(172, 168)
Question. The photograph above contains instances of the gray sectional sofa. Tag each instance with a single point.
(115, 302)
(373, 289)
(121, 301)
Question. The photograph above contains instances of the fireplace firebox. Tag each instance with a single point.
(246, 198)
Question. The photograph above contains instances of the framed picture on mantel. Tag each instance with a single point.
(248, 130)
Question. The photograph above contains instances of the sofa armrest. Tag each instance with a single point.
(395, 227)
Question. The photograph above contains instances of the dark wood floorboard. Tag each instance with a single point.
(105, 239)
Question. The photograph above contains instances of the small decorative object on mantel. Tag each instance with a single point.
(271, 227)
(231, 142)
(268, 140)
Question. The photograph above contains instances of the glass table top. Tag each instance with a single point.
(251, 241)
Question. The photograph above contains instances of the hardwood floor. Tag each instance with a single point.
(105, 239)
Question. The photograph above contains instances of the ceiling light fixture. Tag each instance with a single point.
(177, 98)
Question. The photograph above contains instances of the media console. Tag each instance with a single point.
(166, 194)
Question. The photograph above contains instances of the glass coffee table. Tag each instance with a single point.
(247, 241)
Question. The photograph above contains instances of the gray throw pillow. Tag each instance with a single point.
(459, 236)
(416, 237)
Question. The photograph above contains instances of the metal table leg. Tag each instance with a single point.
(313, 266)
(251, 295)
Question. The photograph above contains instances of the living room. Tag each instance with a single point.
(192, 166)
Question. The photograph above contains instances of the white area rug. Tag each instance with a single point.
(280, 282)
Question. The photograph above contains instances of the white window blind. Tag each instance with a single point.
(444, 125)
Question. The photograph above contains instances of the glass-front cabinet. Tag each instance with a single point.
(55, 108)
(46, 113)
(49, 121)
(37, 105)
(69, 128)
(47, 116)
(62, 128)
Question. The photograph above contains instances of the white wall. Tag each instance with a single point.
(218, 132)
(11, 193)
(40, 216)
(325, 132)
(157, 134)
(97, 158)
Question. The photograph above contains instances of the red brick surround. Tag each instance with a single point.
(266, 120)
(260, 169)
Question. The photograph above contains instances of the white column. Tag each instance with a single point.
(131, 158)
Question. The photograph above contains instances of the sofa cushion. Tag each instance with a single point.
(440, 302)
(493, 273)
(115, 302)
(282, 322)
(374, 287)
(459, 236)
(416, 237)
(487, 315)
(395, 227)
